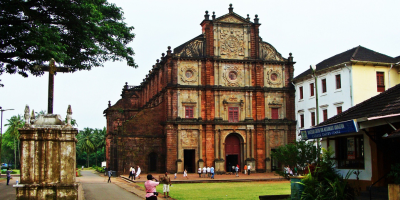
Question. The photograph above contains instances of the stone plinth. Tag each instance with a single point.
(48, 160)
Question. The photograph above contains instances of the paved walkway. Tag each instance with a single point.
(7, 192)
(96, 187)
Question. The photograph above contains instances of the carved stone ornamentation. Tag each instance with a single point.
(26, 115)
(188, 74)
(232, 43)
(232, 75)
(189, 138)
(193, 49)
(274, 77)
(231, 19)
(268, 52)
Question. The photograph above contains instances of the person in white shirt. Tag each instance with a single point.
(199, 172)
(209, 172)
(204, 171)
(248, 169)
(133, 173)
(138, 172)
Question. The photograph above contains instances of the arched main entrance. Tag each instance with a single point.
(232, 152)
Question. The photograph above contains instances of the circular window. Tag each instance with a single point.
(232, 75)
(274, 76)
(189, 74)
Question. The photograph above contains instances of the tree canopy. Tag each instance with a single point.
(77, 34)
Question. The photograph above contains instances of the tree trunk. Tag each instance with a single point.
(87, 154)
(19, 153)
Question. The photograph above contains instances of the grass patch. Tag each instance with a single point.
(236, 190)
(14, 171)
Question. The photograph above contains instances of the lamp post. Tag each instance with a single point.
(1, 128)
(313, 69)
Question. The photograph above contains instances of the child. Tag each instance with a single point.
(175, 176)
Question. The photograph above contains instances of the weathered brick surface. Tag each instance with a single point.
(146, 120)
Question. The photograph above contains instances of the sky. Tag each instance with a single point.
(312, 30)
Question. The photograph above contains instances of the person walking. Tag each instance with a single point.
(109, 175)
(233, 169)
(245, 169)
(138, 172)
(150, 185)
(199, 172)
(204, 171)
(248, 169)
(166, 184)
(185, 174)
(130, 173)
(8, 172)
(237, 170)
(208, 172)
(212, 172)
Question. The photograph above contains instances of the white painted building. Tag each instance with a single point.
(343, 81)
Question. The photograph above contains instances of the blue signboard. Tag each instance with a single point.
(330, 130)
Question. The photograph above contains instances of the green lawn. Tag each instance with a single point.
(236, 190)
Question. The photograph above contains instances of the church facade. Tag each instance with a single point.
(223, 98)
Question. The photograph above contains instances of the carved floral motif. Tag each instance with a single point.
(268, 52)
(232, 43)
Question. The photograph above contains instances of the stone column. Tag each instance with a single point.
(252, 143)
(248, 143)
(267, 151)
(179, 162)
(199, 105)
(216, 144)
(251, 105)
(201, 162)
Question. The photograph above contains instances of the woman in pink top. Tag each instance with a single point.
(151, 187)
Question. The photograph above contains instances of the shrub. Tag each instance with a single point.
(395, 173)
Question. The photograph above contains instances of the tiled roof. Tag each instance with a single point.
(385, 103)
(397, 59)
(179, 48)
(357, 53)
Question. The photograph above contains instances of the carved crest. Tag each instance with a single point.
(189, 138)
(268, 52)
(232, 43)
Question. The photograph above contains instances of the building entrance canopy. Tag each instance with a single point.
(339, 128)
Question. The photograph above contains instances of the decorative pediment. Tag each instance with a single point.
(232, 19)
(268, 52)
(192, 48)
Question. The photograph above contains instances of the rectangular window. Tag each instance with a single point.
(380, 81)
(323, 82)
(302, 121)
(233, 114)
(312, 89)
(338, 82)
(188, 111)
(312, 118)
(350, 152)
(325, 113)
(301, 92)
(339, 109)
(274, 113)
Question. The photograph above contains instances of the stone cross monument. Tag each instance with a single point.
(48, 158)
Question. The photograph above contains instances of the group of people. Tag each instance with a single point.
(289, 172)
(134, 173)
(151, 184)
(246, 169)
(209, 171)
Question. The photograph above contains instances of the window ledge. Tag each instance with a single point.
(301, 100)
(338, 90)
(312, 97)
(324, 94)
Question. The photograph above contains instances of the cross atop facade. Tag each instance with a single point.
(52, 69)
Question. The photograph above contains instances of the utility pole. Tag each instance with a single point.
(313, 69)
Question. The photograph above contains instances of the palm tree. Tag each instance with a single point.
(86, 142)
(100, 140)
(14, 124)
